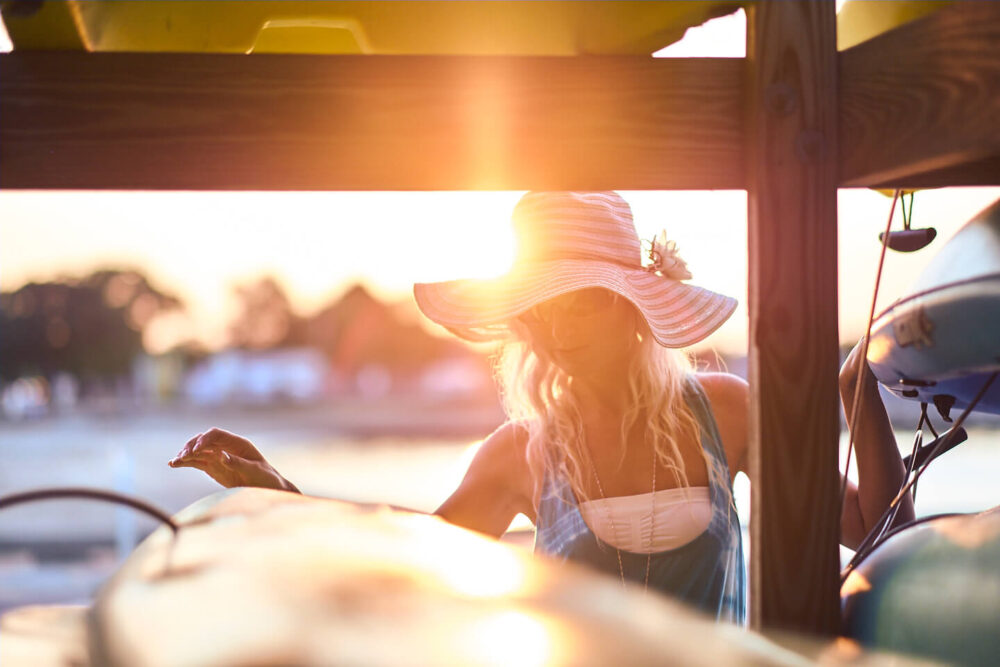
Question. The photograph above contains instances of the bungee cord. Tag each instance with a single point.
(856, 402)
(875, 536)
(53, 493)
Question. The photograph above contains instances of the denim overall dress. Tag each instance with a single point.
(707, 573)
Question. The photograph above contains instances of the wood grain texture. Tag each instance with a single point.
(288, 122)
(920, 101)
(794, 525)
(983, 172)
(917, 108)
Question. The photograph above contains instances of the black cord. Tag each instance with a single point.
(917, 441)
(911, 464)
(926, 419)
(871, 540)
(961, 436)
(91, 494)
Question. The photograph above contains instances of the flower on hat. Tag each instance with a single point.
(665, 259)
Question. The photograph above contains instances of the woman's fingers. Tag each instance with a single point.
(228, 459)
(187, 448)
(852, 365)
(218, 439)
(202, 460)
(198, 443)
(213, 438)
(216, 464)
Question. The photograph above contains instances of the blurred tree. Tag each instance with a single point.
(265, 319)
(91, 327)
(358, 329)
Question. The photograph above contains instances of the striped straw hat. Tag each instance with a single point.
(568, 241)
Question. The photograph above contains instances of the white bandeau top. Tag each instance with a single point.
(681, 515)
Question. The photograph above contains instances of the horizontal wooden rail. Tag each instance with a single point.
(293, 122)
(919, 106)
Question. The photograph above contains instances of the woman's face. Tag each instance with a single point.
(584, 332)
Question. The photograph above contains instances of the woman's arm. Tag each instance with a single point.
(729, 397)
(496, 486)
(494, 490)
(230, 460)
(880, 468)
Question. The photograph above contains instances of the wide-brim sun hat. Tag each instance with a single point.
(567, 241)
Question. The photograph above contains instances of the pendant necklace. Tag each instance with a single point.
(611, 519)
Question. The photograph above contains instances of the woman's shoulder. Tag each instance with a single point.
(510, 434)
(729, 397)
(501, 464)
(503, 452)
(494, 488)
(723, 388)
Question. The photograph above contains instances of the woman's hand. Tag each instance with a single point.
(230, 460)
(849, 371)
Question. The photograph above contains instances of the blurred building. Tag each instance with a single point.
(290, 375)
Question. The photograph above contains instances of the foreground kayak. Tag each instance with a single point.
(932, 590)
(264, 577)
(270, 578)
(941, 343)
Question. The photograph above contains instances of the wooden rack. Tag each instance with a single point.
(790, 123)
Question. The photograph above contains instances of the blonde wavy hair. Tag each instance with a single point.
(538, 395)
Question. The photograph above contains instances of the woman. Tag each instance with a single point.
(620, 453)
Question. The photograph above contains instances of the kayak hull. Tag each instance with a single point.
(941, 344)
(931, 590)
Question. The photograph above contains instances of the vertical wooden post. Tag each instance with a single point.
(791, 183)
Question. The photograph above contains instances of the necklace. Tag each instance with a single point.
(611, 518)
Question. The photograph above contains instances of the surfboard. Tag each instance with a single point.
(941, 343)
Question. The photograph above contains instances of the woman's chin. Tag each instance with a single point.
(586, 361)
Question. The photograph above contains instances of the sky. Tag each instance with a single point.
(200, 245)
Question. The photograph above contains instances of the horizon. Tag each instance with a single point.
(387, 241)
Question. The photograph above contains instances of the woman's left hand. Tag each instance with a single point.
(849, 370)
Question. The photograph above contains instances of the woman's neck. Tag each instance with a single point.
(601, 397)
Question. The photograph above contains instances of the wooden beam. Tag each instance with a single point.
(920, 102)
(792, 132)
(917, 109)
(978, 172)
(289, 122)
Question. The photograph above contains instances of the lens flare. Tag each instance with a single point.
(508, 638)
(470, 565)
